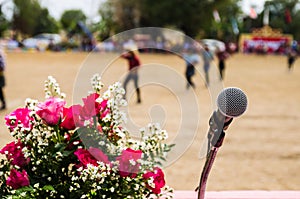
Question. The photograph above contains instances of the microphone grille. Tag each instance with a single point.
(232, 102)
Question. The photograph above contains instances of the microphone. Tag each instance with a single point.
(231, 102)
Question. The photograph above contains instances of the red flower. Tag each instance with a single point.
(91, 156)
(51, 110)
(126, 168)
(17, 179)
(158, 180)
(13, 152)
(104, 109)
(77, 112)
(90, 107)
(99, 155)
(20, 115)
(68, 118)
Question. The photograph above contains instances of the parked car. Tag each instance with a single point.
(41, 41)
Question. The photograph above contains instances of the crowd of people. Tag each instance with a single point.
(190, 54)
(192, 57)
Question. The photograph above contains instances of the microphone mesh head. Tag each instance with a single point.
(232, 102)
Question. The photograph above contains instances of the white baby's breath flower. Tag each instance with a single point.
(52, 88)
(132, 162)
(36, 185)
(23, 194)
(96, 83)
(112, 189)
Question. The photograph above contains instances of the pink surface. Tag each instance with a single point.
(240, 195)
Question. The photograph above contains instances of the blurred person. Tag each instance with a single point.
(291, 56)
(133, 66)
(2, 80)
(191, 59)
(222, 55)
(207, 58)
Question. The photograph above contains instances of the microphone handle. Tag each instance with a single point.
(218, 123)
(205, 172)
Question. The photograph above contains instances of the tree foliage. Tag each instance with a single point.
(193, 17)
(283, 15)
(4, 24)
(70, 18)
(108, 25)
(30, 18)
(46, 23)
(25, 15)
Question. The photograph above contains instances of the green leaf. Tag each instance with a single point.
(60, 146)
(67, 153)
(24, 189)
(49, 188)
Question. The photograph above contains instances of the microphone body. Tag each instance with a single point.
(231, 103)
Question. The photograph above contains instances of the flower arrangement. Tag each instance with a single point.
(81, 151)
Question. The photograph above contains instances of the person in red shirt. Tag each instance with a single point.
(133, 63)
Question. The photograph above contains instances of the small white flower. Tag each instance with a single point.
(23, 194)
(112, 189)
(36, 185)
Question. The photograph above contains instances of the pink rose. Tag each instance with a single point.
(91, 156)
(104, 110)
(98, 155)
(13, 152)
(158, 179)
(90, 106)
(17, 179)
(51, 110)
(77, 118)
(126, 168)
(19, 116)
(68, 118)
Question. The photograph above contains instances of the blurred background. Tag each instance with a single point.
(84, 25)
(261, 151)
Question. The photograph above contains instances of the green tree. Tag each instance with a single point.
(46, 23)
(193, 17)
(283, 15)
(190, 16)
(25, 15)
(69, 20)
(107, 26)
(29, 18)
(278, 11)
(228, 26)
(4, 24)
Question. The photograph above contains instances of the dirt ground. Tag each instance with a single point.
(261, 148)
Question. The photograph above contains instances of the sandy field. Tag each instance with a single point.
(261, 148)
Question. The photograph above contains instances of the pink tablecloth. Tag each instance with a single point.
(240, 195)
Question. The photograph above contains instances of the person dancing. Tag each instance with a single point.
(133, 66)
(191, 59)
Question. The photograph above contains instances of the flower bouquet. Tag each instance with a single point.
(81, 151)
